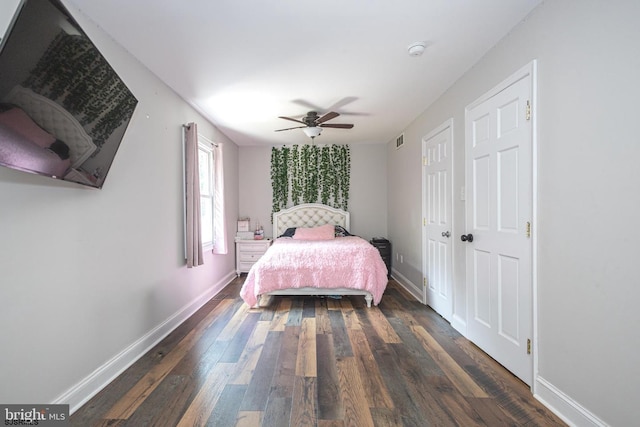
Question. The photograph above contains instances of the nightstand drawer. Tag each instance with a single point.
(250, 256)
(245, 266)
(253, 248)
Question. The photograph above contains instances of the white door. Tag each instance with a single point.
(499, 211)
(437, 206)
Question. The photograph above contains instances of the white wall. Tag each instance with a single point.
(588, 147)
(368, 190)
(86, 273)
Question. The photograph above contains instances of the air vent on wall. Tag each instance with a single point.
(400, 141)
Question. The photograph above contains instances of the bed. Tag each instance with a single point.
(39, 136)
(302, 264)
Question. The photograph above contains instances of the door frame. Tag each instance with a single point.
(528, 70)
(448, 124)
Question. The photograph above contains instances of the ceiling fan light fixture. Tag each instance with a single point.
(312, 131)
(416, 49)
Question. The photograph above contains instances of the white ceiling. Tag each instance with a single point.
(244, 63)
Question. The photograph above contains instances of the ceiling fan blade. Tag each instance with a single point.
(330, 115)
(297, 127)
(341, 103)
(309, 106)
(293, 120)
(337, 125)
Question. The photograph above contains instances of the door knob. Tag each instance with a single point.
(467, 237)
(446, 234)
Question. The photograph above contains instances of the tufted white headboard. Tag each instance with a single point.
(56, 120)
(308, 215)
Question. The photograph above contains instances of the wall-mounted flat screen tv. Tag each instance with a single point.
(63, 109)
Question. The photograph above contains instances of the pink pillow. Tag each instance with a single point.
(20, 122)
(324, 232)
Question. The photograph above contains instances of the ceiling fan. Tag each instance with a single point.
(313, 123)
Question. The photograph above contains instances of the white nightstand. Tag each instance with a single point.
(248, 252)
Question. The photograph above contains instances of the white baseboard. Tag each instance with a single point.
(570, 411)
(407, 284)
(88, 387)
(459, 324)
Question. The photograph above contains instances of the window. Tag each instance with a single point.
(207, 190)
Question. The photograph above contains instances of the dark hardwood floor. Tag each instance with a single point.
(305, 361)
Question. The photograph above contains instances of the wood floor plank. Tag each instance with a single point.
(453, 403)
(238, 341)
(202, 356)
(384, 417)
(419, 384)
(309, 308)
(323, 323)
(351, 320)
(306, 364)
(97, 407)
(388, 364)
(381, 324)
(255, 399)
(267, 311)
(277, 412)
(303, 407)
(333, 303)
(234, 324)
(202, 405)
(285, 367)
(393, 307)
(295, 312)
(265, 302)
(249, 419)
(248, 361)
(375, 389)
(491, 414)
(329, 394)
(460, 379)
(411, 350)
(225, 412)
(356, 408)
(199, 359)
(109, 423)
(281, 314)
(341, 343)
(152, 410)
(461, 412)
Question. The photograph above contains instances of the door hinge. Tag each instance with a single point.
(528, 345)
(528, 113)
(425, 161)
(424, 281)
(528, 229)
(424, 221)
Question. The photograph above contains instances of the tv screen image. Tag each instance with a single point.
(63, 108)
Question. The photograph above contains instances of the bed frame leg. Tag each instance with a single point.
(368, 298)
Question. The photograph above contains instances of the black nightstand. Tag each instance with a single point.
(384, 247)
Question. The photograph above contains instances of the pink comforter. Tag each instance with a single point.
(344, 262)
